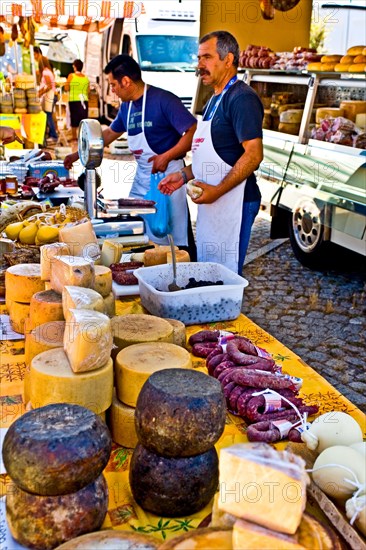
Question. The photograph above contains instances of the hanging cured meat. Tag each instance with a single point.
(267, 9)
(284, 5)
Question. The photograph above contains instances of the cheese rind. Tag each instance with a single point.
(53, 381)
(111, 252)
(22, 281)
(110, 305)
(121, 422)
(77, 297)
(42, 338)
(254, 537)
(157, 255)
(18, 313)
(103, 280)
(45, 306)
(136, 363)
(81, 239)
(139, 328)
(47, 521)
(88, 339)
(48, 252)
(262, 485)
(179, 332)
(208, 538)
(71, 271)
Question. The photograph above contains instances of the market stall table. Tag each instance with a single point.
(123, 512)
(33, 126)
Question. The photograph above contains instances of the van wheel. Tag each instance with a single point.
(307, 235)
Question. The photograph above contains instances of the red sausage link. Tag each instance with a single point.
(212, 363)
(204, 336)
(203, 349)
(222, 367)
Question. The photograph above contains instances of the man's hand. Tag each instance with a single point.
(8, 135)
(160, 163)
(210, 193)
(171, 183)
(70, 159)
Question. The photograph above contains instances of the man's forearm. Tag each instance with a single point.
(109, 136)
(183, 146)
(242, 169)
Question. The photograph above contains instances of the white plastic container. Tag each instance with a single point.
(192, 306)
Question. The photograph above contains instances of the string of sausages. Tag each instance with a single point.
(244, 371)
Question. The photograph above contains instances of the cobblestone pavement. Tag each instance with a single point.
(319, 316)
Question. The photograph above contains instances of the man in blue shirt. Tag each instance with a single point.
(226, 150)
(159, 133)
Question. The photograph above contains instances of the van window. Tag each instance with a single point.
(115, 43)
(161, 52)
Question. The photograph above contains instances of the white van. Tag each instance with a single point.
(164, 41)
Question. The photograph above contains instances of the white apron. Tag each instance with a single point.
(219, 223)
(141, 150)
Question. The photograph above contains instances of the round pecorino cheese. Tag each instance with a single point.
(201, 539)
(173, 487)
(110, 539)
(48, 521)
(180, 412)
(56, 449)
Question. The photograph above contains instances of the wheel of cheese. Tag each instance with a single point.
(291, 116)
(289, 128)
(352, 108)
(110, 305)
(156, 256)
(22, 281)
(327, 112)
(180, 256)
(173, 487)
(53, 381)
(121, 422)
(47, 521)
(42, 338)
(139, 328)
(78, 297)
(110, 539)
(18, 312)
(45, 306)
(136, 363)
(71, 271)
(208, 538)
(180, 412)
(179, 332)
(103, 280)
(47, 253)
(56, 450)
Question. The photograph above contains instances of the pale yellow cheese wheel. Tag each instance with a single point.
(156, 256)
(103, 280)
(53, 381)
(22, 281)
(136, 363)
(121, 423)
(327, 112)
(110, 305)
(18, 312)
(138, 328)
(179, 332)
(180, 256)
(353, 108)
(45, 306)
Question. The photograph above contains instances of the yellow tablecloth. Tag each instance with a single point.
(34, 126)
(123, 512)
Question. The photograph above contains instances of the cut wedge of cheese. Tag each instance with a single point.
(77, 297)
(121, 422)
(88, 339)
(353, 108)
(22, 281)
(110, 305)
(201, 539)
(71, 271)
(18, 313)
(53, 381)
(111, 252)
(103, 280)
(139, 328)
(136, 363)
(219, 518)
(45, 306)
(262, 485)
(254, 537)
(48, 252)
(81, 239)
(179, 332)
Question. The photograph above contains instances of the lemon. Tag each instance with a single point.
(13, 229)
(47, 234)
(28, 234)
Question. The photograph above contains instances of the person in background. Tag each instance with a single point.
(78, 87)
(159, 132)
(46, 92)
(39, 57)
(8, 135)
(226, 150)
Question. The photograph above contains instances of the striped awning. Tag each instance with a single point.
(76, 14)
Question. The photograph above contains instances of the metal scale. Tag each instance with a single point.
(107, 218)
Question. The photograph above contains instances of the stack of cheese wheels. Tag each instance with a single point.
(55, 457)
(180, 415)
(21, 282)
(146, 343)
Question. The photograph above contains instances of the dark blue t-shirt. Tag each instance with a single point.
(166, 119)
(238, 118)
